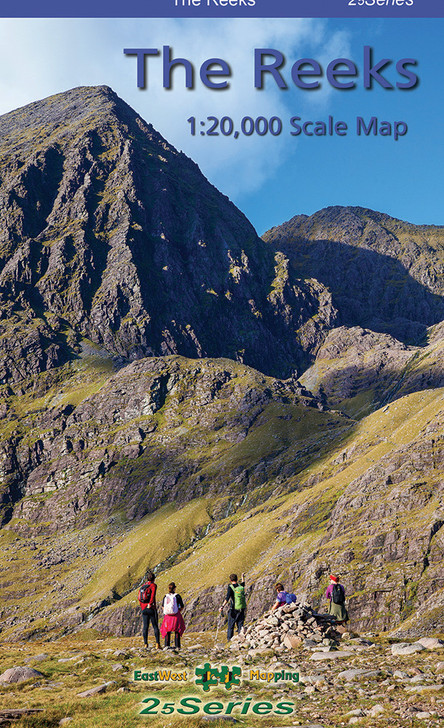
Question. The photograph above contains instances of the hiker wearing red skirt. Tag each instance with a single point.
(172, 621)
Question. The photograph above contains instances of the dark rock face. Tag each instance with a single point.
(108, 232)
(384, 274)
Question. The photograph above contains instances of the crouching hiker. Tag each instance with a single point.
(172, 621)
(235, 597)
(282, 597)
(147, 601)
(336, 597)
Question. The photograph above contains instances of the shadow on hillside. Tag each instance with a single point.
(369, 289)
(386, 388)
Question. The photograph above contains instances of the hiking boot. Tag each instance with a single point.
(158, 646)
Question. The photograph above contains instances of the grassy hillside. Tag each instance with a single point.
(363, 498)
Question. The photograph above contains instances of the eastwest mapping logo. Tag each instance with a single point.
(221, 677)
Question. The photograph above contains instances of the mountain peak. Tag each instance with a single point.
(121, 239)
(61, 116)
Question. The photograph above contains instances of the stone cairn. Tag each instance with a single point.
(291, 626)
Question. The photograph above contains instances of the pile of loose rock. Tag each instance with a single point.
(290, 626)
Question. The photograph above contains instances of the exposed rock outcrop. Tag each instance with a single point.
(152, 435)
(357, 370)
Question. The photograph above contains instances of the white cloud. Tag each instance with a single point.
(41, 57)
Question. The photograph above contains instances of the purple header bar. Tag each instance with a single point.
(225, 9)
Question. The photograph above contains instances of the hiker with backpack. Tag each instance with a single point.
(172, 621)
(236, 598)
(336, 596)
(147, 601)
(282, 597)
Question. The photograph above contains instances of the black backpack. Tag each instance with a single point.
(337, 594)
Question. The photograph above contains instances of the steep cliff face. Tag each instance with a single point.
(384, 274)
(108, 232)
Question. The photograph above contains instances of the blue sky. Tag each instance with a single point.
(269, 178)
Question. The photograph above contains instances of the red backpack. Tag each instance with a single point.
(145, 592)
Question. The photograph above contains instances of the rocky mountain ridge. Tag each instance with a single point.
(110, 233)
(384, 274)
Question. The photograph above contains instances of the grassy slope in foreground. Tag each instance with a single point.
(304, 535)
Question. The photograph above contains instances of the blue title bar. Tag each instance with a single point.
(226, 9)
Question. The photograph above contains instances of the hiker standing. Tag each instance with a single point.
(236, 598)
(147, 601)
(172, 604)
(336, 595)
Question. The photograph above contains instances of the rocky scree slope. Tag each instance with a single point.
(372, 509)
(297, 495)
(164, 452)
(110, 233)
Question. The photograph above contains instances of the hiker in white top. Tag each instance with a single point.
(172, 605)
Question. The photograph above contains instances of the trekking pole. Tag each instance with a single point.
(217, 627)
